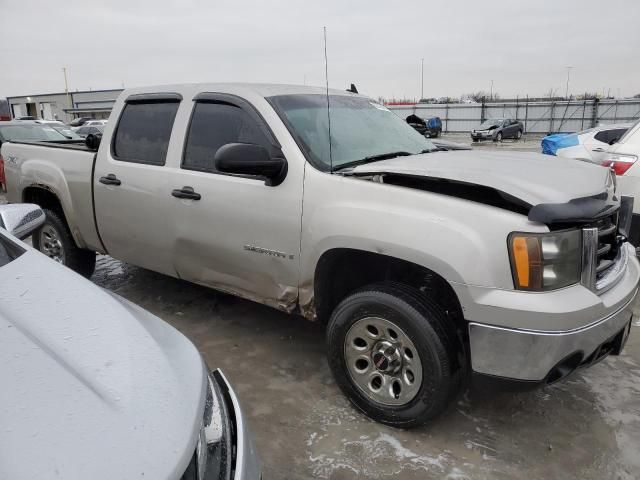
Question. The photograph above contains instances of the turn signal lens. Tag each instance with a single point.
(545, 261)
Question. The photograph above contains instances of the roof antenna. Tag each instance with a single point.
(352, 88)
(326, 76)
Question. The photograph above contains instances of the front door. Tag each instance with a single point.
(131, 188)
(231, 232)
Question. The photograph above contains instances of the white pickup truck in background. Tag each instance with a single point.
(424, 264)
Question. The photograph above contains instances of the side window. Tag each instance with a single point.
(143, 132)
(617, 134)
(214, 125)
(603, 136)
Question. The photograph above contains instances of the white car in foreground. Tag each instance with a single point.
(95, 387)
(622, 157)
(589, 145)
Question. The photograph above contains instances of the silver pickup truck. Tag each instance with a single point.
(425, 265)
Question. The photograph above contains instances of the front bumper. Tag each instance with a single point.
(482, 136)
(536, 337)
(545, 356)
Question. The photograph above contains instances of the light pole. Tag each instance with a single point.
(422, 79)
(66, 86)
(491, 94)
(566, 92)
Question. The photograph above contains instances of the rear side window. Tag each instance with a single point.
(607, 136)
(142, 135)
(214, 125)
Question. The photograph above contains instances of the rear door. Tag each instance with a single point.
(234, 233)
(131, 185)
(509, 128)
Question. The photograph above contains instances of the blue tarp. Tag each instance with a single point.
(551, 143)
(434, 122)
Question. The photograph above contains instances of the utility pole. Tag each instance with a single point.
(566, 93)
(422, 80)
(491, 94)
(66, 86)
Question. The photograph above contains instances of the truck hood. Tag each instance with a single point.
(532, 178)
(92, 385)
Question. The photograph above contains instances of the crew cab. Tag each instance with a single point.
(424, 264)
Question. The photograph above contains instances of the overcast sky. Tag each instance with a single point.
(375, 44)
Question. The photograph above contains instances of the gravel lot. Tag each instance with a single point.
(586, 427)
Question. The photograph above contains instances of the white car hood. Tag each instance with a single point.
(92, 386)
(531, 177)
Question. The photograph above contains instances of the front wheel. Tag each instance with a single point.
(55, 241)
(499, 137)
(394, 355)
(519, 134)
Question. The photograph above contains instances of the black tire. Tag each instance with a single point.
(519, 135)
(475, 140)
(80, 260)
(498, 137)
(435, 340)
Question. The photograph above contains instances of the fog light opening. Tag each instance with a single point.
(564, 368)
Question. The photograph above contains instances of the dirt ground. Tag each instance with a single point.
(587, 427)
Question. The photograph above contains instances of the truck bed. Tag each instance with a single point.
(63, 168)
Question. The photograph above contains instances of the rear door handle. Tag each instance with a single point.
(110, 179)
(186, 192)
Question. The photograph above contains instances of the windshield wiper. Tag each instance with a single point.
(371, 158)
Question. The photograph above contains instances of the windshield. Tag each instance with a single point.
(67, 132)
(360, 128)
(491, 122)
(29, 133)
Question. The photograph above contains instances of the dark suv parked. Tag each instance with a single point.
(496, 129)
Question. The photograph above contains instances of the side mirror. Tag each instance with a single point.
(250, 159)
(93, 141)
(21, 219)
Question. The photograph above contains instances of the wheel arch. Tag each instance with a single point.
(47, 198)
(340, 271)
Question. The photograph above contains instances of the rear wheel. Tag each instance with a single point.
(55, 241)
(394, 354)
(519, 134)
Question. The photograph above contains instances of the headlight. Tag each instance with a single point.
(545, 261)
(214, 452)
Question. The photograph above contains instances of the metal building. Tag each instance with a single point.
(64, 106)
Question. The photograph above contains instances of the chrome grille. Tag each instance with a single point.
(604, 254)
(607, 251)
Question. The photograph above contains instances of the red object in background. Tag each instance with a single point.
(618, 167)
(4, 118)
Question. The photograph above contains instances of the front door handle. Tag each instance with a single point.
(110, 179)
(598, 149)
(186, 192)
